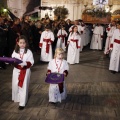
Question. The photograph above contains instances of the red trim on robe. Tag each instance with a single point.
(111, 45)
(21, 77)
(76, 42)
(47, 45)
(66, 72)
(48, 72)
(22, 73)
(108, 29)
(63, 37)
(117, 41)
(28, 65)
(40, 44)
(60, 85)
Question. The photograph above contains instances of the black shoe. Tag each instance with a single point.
(4, 67)
(53, 103)
(21, 107)
(113, 72)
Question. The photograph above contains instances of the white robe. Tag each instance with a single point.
(88, 37)
(21, 94)
(96, 42)
(46, 56)
(60, 43)
(108, 40)
(115, 55)
(83, 37)
(54, 93)
(73, 52)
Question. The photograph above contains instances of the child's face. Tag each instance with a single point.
(47, 30)
(22, 43)
(75, 29)
(59, 56)
(118, 26)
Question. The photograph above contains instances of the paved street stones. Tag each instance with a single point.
(93, 93)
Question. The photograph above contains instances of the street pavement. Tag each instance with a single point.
(93, 92)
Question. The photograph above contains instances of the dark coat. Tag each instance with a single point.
(3, 37)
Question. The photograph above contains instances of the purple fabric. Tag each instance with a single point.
(54, 78)
(10, 60)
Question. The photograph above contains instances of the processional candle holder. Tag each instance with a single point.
(85, 6)
(110, 6)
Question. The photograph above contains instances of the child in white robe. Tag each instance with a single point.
(110, 30)
(21, 72)
(57, 92)
(61, 38)
(74, 43)
(114, 65)
(97, 38)
(46, 40)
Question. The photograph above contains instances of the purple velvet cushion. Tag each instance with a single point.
(10, 60)
(54, 78)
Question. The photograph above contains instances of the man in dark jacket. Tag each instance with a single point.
(3, 41)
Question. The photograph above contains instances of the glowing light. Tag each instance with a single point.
(107, 9)
(4, 10)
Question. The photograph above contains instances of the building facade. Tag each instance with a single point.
(21, 7)
(18, 7)
(75, 7)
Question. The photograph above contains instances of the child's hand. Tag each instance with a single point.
(68, 43)
(14, 63)
(48, 73)
(64, 74)
(111, 49)
(49, 43)
(5, 29)
(22, 66)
